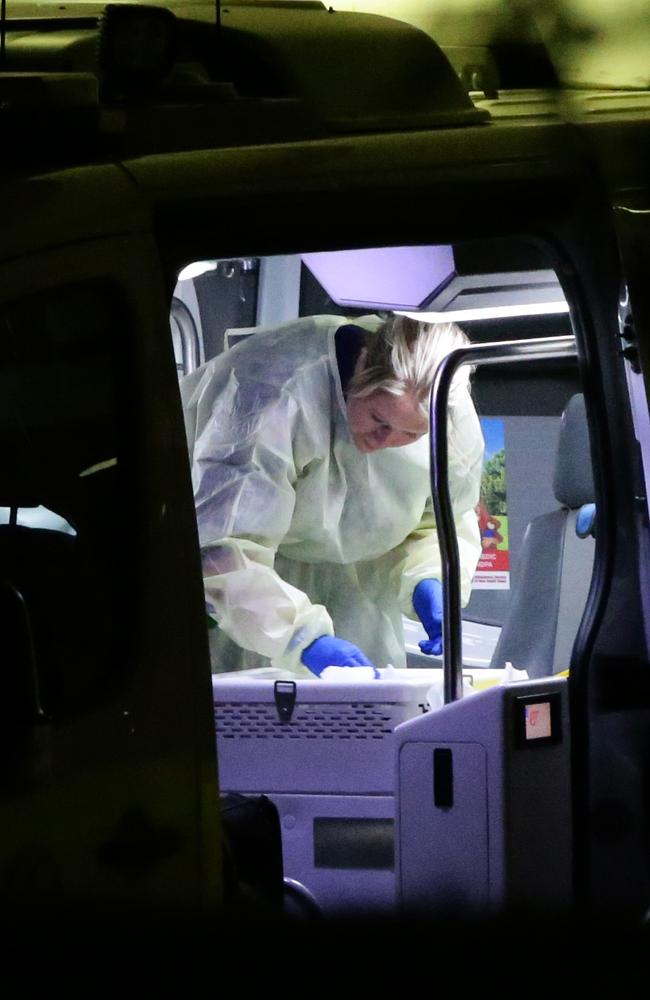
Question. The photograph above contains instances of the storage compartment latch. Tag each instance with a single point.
(284, 693)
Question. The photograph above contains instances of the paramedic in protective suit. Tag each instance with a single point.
(310, 464)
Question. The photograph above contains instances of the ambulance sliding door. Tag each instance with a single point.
(108, 788)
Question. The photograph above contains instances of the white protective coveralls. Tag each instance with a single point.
(301, 534)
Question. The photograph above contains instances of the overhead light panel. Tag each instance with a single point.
(383, 277)
(490, 312)
(429, 282)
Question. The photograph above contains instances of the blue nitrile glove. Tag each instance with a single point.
(427, 601)
(328, 651)
(586, 520)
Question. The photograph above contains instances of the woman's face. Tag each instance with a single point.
(382, 420)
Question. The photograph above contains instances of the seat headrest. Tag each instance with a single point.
(573, 483)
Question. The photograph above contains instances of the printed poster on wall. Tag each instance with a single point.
(493, 570)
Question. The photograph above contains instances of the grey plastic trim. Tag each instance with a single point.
(190, 346)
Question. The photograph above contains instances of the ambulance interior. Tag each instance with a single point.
(327, 758)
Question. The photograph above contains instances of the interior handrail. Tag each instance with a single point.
(506, 352)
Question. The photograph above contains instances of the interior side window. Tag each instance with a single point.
(64, 529)
(521, 409)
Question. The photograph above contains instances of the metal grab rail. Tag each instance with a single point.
(510, 351)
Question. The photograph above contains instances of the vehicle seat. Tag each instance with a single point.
(555, 564)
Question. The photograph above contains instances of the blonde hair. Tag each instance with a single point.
(403, 356)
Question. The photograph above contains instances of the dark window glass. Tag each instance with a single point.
(64, 531)
(353, 843)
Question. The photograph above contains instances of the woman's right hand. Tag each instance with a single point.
(329, 651)
(427, 602)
